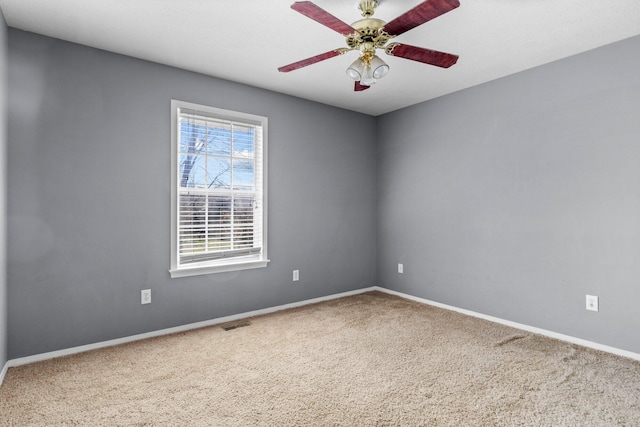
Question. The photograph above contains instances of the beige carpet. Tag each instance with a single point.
(367, 360)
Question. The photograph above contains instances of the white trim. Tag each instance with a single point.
(3, 372)
(208, 269)
(533, 329)
(81, 349)
(260, 260)
(232, 318)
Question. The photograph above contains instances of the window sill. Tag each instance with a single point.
(220, 268)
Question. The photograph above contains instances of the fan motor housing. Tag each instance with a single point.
(368, 30)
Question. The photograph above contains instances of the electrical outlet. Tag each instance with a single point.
(400, 268)
(145, 296)
(592, 303)
(296, 275)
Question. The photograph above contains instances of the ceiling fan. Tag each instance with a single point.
(369, 34)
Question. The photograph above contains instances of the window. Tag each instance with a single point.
(218, 190)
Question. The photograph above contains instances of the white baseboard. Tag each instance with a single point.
(3, 372)
(539, 331)
(235, 317)
(80, 349)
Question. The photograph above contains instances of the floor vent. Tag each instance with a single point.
(236, 326)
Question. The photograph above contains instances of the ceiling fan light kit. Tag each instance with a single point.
(367, 69)
(368, 34)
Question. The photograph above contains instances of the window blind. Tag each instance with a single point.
(220, 181)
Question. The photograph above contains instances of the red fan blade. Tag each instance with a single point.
(420, 54)
(320, 15)
(420, 14)
(311, 60)
(359, 88)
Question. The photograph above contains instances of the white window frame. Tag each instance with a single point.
(244, 262)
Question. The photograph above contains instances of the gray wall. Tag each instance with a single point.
(514, 199)
(89, 188)
(518, 197)
(3, 191)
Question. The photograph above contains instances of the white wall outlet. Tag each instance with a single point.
(296, 275)
(400, 268)
(145, 296)
(592, 303)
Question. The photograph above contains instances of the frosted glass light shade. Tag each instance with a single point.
(367, 79)
(379, 67)
(356, 69)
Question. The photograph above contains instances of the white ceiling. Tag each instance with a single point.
(247, 40)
